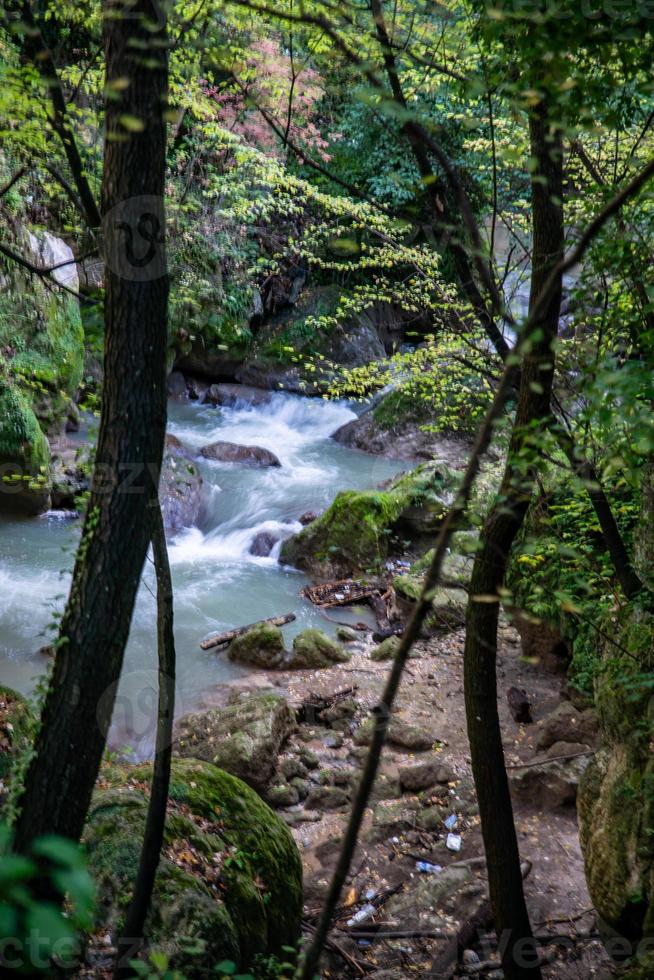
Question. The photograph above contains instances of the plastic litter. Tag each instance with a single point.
(453, 842)
(451, 821)
(426, 867)
(361, 916)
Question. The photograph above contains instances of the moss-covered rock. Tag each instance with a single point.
(386, 650)
(261, 646)
(360, 528)
(313, 649)
(16, 728)
(616, 795)
(229, 883)
(244, 737)
(24, 455)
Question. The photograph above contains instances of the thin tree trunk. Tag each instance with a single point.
(533, 412)
(21, 21)
(131, 938)
(117, 528)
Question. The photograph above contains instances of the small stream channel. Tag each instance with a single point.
(218, 584)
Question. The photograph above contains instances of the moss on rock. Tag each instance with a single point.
(24, 454)
(313, 649)
(261, 646)
(229, 882)
(244, 737)
(357, 531)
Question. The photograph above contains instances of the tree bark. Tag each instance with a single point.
(512, 924)
(117, 528)
(131, 939)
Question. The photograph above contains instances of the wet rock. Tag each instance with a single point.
(393, 428)
(281, 795)
(231, 452)
(244, 737)
(71, 477)
(399, 734)
(197, 388)
(386, 649)
(308, 517)
(313, 649)
(567, 724)
(417, 777)
(355, 532)
(262, 646)
(549, 784)
(262, 544)
(235, 395)
(519, 705)
(326, 798)
(176, 386)
(180, 486)
(346, 635)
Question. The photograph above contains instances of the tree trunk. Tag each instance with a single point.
(533, 411)
(131, 938)
(117, 528)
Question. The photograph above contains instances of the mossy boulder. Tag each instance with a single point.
(229, 883)
(313, 649)
(180, 486)
(360, 528)
(386, 650)
(24, 455)
(261, 646)
(244, 737)
(17, 725)
(616, 794)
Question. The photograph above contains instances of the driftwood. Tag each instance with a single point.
(343, 592)
(219, 639)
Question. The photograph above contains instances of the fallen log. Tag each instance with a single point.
(219, 639)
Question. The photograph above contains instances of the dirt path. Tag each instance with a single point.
(403, 827)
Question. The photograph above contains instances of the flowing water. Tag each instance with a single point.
(218, 584)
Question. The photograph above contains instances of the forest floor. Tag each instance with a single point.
(434, 911)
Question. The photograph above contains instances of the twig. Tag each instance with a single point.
(556, 758)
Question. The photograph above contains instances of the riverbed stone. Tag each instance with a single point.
(281, 795)
(399, 734)
(356, 531)
(261, 646)
(327, 798)
(550, 783)
(244, 737)
(236, 395)
(414, 778)
(232, 452)
(346, 634)
(313, 649)
(262, 544)
(180, 486)
(386, 650)
(229, 875)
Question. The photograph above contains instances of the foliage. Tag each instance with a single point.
(37, 932)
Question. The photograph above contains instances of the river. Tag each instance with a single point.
(217, 583)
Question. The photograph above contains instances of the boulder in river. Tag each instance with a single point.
(313, 649)
(176, 386)
(232, 395)
(180, 487)
(232, 452)
(357, 531)
(244, 737)
(262, 544)
(261, 646)
(395, 428)
(229, 876)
